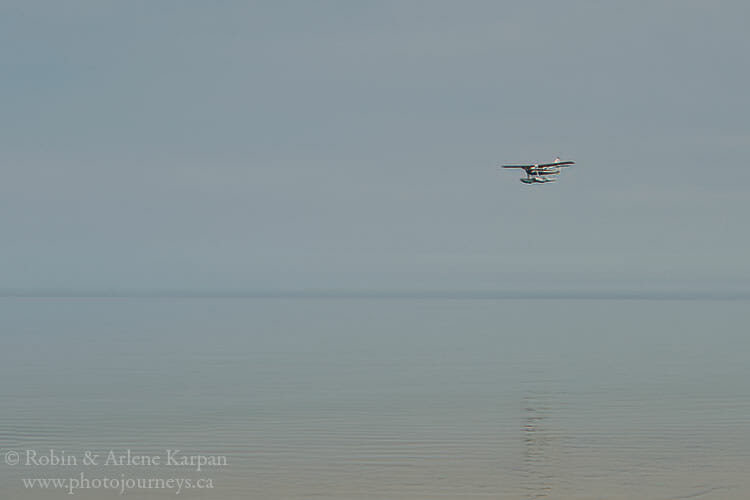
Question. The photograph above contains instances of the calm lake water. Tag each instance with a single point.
(401, 398)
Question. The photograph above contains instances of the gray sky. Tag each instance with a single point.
(191, 145)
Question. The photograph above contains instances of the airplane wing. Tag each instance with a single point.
(558, 164)
(520, 166)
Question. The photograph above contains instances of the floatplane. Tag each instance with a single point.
(541, 173)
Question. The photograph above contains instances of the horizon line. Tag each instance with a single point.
(542, 294)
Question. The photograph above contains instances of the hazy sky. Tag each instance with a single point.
(339, 144)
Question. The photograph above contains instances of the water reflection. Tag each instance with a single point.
(540, 465)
